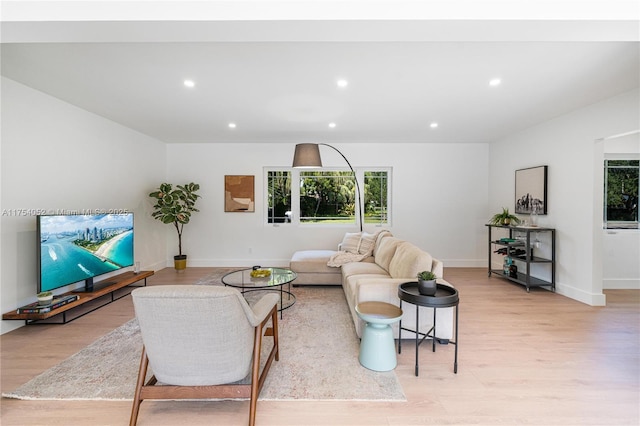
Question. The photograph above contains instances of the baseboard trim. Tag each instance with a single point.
(621, 284)
(591, 299)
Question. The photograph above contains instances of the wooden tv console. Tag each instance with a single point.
(108, 287)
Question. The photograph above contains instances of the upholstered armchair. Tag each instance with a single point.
(202, 342)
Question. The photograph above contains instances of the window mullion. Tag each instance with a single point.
(295, 196)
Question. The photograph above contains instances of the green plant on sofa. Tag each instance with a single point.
(504, 218)
(175, 206)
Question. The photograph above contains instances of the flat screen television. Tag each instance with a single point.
(74, 248)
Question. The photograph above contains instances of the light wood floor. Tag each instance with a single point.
(524, 359)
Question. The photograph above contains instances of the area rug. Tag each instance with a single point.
(318, 359)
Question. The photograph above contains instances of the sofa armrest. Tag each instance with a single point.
(437, 267)
(381, 289)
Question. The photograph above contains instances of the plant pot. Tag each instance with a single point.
(180, 262)
(506, 222)
(427, 287)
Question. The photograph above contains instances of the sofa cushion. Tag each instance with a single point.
(351, 242)
(358, 268)
(367, 243)
(408, 260)
(381, 235)
(386, 250)
(350, 286)
(312, 261)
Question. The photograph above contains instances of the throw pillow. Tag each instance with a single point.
(367, 243)
(351, 242)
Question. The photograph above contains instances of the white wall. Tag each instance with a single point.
(439, 201)
(566, 144)
(621, 247)
(57, 156)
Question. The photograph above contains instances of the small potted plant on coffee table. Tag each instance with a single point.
(427, 283)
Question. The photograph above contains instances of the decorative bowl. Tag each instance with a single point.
(260, 273)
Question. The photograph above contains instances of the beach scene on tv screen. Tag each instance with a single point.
(74, 248)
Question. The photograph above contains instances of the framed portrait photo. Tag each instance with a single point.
(531, 190)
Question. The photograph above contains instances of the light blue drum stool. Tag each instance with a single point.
(377, 348)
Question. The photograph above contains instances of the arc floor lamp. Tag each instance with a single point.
(307, 156)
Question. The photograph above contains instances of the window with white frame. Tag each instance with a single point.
(621, 193)
(278, 196)
(327, 196)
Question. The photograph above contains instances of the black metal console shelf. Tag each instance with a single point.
(522, 251)
(104, 294)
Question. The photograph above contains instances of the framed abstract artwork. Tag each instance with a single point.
(531, 190)
(239, 193)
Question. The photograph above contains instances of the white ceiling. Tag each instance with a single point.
(277, 79)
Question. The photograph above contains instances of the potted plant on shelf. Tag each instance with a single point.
(175, 206)
(504, 218)
(427, 283)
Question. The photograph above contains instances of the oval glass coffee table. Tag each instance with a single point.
(251, 287)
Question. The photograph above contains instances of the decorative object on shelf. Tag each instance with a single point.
(239, 193)
(307, 156)
(175, 206)
(531, 190)
(43, 308)
(45, 297)
(504, 218)
(507, 265)
(533, 216)
(513, 271)
(427, 283)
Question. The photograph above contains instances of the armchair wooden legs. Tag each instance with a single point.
(257, 380)
(149, 390)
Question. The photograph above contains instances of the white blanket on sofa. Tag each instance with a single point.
(341, 257)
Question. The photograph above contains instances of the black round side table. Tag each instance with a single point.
(445, 297)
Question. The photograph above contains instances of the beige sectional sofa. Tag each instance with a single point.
(376, 277)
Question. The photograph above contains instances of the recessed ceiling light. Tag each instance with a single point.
(342, 83)
(232, 125)
(495, 82)
(189, 83)
(332, 125)
(433, 125)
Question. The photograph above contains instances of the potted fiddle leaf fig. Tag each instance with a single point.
(175, 206)
(504, 218)
(427, 283)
